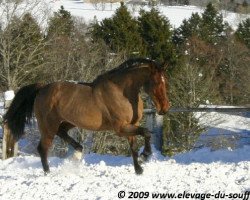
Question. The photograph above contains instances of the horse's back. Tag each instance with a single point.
(70, 102)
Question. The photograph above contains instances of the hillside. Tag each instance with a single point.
(90, 11)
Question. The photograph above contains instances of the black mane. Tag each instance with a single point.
(132, 63)
(128, 65)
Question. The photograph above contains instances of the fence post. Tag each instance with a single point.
(154, 123)
(158, 132)
(10, 146)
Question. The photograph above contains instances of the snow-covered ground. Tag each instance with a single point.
(104, 176)
(42, 9)
(175, 14)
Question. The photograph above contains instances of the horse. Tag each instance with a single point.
(111, 102)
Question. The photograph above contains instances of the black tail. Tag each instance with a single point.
(21, 109)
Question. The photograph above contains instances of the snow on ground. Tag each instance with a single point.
(175, 14)
(103, 176)
(230, 130)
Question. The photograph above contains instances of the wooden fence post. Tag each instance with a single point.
(10, 146)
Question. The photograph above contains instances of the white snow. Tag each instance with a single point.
(89, 11)
(175, 14)
(103, 176)
(9, 95)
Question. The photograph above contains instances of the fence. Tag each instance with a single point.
(154, 122)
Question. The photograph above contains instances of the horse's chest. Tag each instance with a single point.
(126, 111)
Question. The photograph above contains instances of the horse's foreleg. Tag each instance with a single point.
(147, 151)
(134, 152)
(131, 131)
(63, 133)
(137, 130)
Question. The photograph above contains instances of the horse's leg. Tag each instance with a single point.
(131, 131)
(134, 152)
(147, 151)
(43, 148)
(63, 133)
(48, 128)
(137, 130)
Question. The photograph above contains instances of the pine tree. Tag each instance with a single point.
(189, 28)
(156, 34)
(212, 27)
(120, 32)
(61, 24)
(243, 32)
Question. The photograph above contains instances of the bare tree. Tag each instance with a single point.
(19, 62)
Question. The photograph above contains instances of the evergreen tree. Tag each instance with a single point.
(156, 34)
(212, 26)
(243, 32)
(209, 27)
(61, 24)
(120, 32)
(189, 28)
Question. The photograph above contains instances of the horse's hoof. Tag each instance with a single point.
(46, 172)
(138, 170)
(77, 155)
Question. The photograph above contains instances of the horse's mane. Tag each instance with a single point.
(129, 64)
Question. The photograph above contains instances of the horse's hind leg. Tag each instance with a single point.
(48, 131)
(63, 133)
(43, 148)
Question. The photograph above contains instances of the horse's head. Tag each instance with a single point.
(156, 88)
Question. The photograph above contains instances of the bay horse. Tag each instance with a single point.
(111, 102)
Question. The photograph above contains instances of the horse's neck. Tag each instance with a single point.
(134, 79)
(131, 83)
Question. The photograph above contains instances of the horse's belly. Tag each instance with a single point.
(91, 120)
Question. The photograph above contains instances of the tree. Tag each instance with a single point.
(209, 27)
(21, 51)
(212, 26)
(120, 32)
(193, 82)
(243, 32)
(61, 24)
(233, 72)
(188, 28)
(156, 34)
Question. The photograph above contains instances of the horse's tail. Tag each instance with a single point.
(21, 109)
